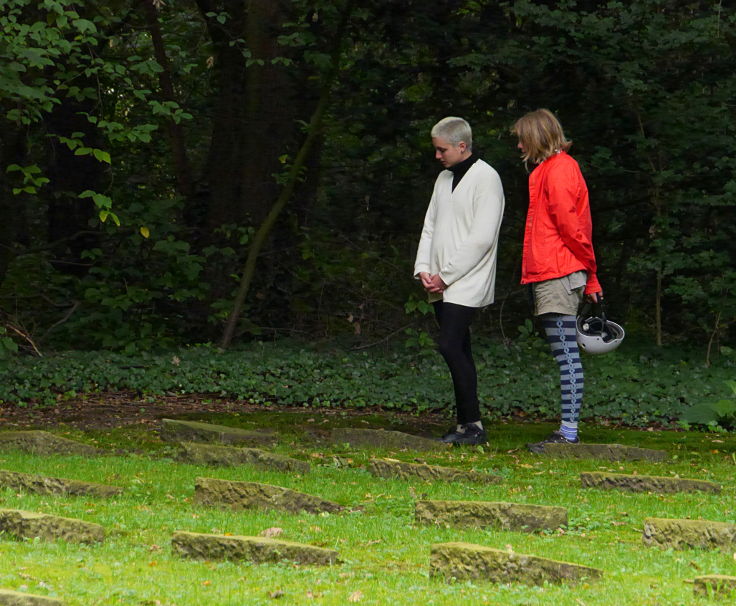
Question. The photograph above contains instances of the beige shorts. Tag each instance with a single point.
(559, 295)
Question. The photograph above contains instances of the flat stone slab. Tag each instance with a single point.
(637, 483)
(481, 514)
(44, 443)
(18, 598)
(252, 549)
(382, 438)
(465, 561)
(230, 456)
(388, 468)
(252, 495)
(174, 430)
(716, 585)
(684, 534)
(47, 485)
(29, 525)
(608, 452)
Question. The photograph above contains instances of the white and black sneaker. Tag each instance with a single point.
(554, 438)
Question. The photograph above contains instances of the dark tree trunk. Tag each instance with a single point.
(256, 112)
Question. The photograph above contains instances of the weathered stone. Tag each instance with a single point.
(174, 430)
(17, 598)
(609, 452)
(249, 495)
(388, 468)
(29, 525)
(683, 534)
(46, 485)
(44, 443)
(715, 585)
(637, 483)
(506, 516)
(464, 561)
(229, 456)
(253, 549)
(381, 438)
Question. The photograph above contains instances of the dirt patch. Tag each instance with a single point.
(116, 410)
(110, 410)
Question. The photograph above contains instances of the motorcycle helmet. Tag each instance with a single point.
(596, 334)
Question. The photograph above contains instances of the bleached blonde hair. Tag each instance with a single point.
(454, 130)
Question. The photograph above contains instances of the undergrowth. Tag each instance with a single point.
(631, 386)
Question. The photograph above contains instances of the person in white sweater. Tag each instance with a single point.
(456, 261)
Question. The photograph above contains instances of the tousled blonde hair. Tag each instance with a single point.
(541, 135)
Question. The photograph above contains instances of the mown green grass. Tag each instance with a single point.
(384, 555)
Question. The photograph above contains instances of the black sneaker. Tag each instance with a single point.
(472, 436)
(554, 438)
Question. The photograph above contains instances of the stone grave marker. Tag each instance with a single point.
(684, 534)
(28, 525)
(252, 549)
(389, 468)
(717, 585)
(47, 485)
(248, 495)
(608, 452)
(482, 514)
(174, 430)
(382, 438)
(637, 483)
(18, 598)
(465, 561)
(230, 456)
(44, 443)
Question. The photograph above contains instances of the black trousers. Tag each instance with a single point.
(454, 345)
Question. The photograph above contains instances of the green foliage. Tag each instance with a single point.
(718, 414)
(644, 88)
(8, 347)
(638, 388)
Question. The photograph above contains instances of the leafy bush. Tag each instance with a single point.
(721, 413)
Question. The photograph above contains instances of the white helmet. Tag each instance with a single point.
(597, 335)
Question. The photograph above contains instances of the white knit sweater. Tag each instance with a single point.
(460, 235)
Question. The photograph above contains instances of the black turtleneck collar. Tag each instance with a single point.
(459, 169)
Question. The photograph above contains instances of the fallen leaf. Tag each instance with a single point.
(356, 596)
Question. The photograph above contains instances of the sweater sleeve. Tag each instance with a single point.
(422, 262)
(565, 187)
(487, 212)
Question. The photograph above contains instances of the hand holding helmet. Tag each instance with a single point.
(595, 333)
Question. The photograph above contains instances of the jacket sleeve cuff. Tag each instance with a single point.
(419, 269)
(592, 286)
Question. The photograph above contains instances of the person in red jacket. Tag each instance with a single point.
(558, 262)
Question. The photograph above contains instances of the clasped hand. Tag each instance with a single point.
(432, 283)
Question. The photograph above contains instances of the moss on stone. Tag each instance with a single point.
(29, 525)
(482, 514)
(253, 495)
(385, 468)
(465, 561)
(252, 549)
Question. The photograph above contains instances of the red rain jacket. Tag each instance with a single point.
(558, 239)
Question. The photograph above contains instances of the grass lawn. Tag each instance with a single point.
(384, 555)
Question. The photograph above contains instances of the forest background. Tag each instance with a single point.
(190, 172)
